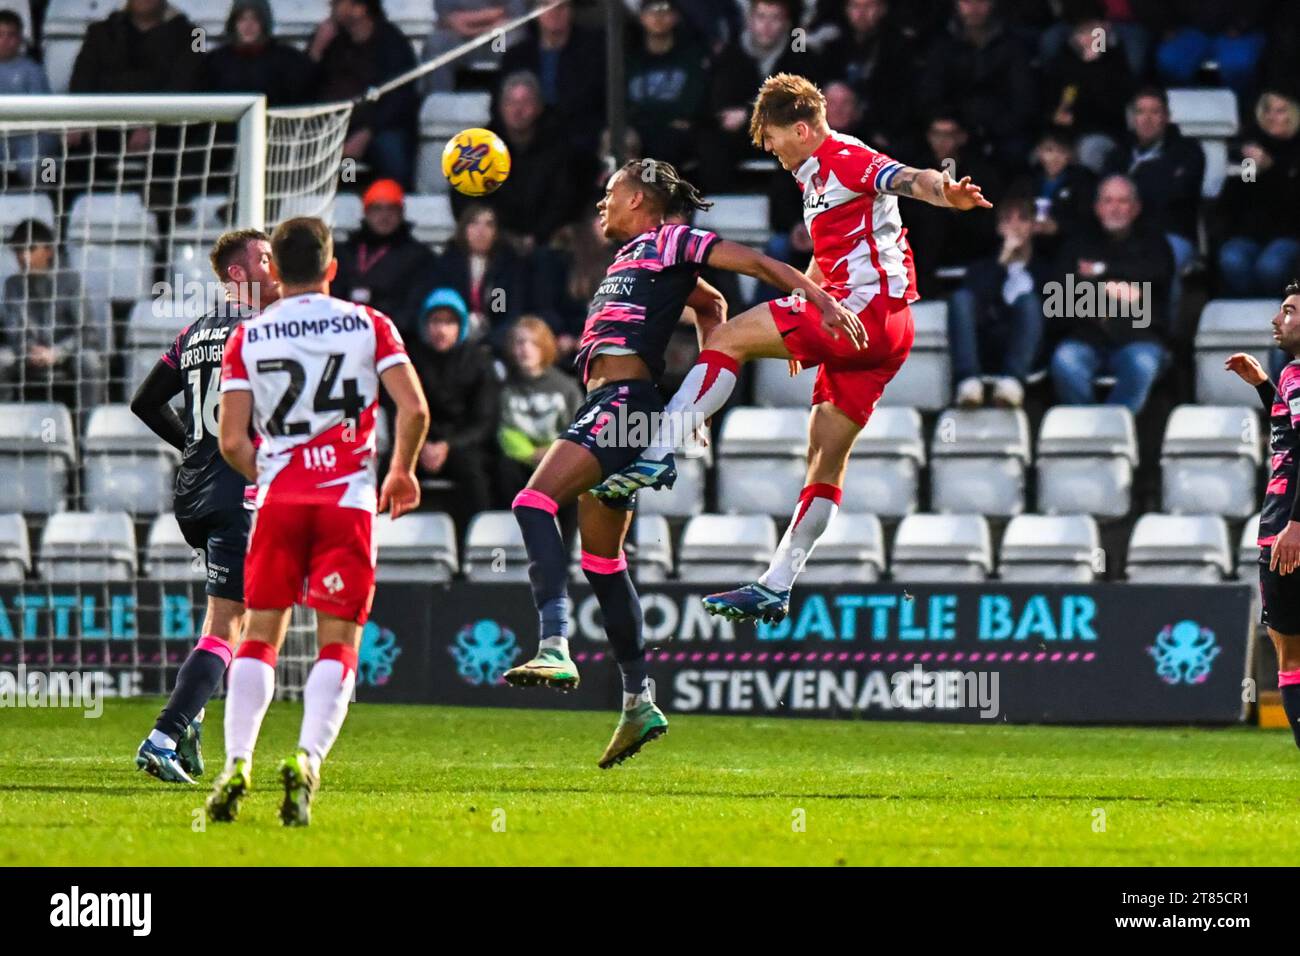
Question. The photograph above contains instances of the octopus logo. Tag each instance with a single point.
(1184, 653)
(378, 652)
(484, 650)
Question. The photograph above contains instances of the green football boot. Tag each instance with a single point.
(229, 790)
(551, 667)
(189, 748)
(636, 728)
(300, 786)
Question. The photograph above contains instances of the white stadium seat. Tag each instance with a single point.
(1216, 167)
(413, 17)
(1248, 551)
(416, 547)
(762, 460)
(431, 218)
(851, 551)
(344, 215)
(442, 116)
(1179, 549)
(884, 474)
(1204, 113)
(1050, 549)
(942, 548)
(686, 496)
(774, 387)
(1209, 460)
(37, 455)
(494, 549)
(64, 29)
(168, 556)
(726, 549)
(110, 240)
(127, 466)
(1228, 326)
(978, 459)
(88, 546)
(1086, 457)
(925, 380)
(15, 549)
(650, 556)
(740, 218)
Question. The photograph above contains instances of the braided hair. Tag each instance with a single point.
(672, 194)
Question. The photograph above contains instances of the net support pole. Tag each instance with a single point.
(250, 159)
(615, 82)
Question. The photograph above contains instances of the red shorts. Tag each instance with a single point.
(850, 379)
(320, 555)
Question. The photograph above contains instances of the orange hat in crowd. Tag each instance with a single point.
(385, 191)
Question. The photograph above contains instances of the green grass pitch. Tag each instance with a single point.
(440, 785)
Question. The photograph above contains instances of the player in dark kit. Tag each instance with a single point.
(654, 277)
(210, 495)
(1279, 521)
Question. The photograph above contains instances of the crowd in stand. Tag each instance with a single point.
(1057, 108)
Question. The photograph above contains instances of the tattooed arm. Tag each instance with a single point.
(937, 188)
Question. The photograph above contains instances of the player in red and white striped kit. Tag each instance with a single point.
(306, 374)
(861, 257)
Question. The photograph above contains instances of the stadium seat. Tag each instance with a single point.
(297, 20)
(494, 549)
(37, 456)
(1050, 549)
(942, 548)
(1248, 551)
(168, 556)
(1204, 113)
(651, 555)
(1228, 326)
(416, 547)
(154, 323)
(726, 549)
(775, 388)
(202, 220)
(110, 243)
(15, 549)
(413, 17)
(1179, 549)
(442, 116)
(851, 551)
(738, 218)
(210, 17)
(762, 460)
(1086, 457)
(686, 497)
(1216, 167)
(1209, 460)
(884, 474)
(925, 380)
(978, 459)
(88, 546)
(344, 215)
(127, 467)
(63, 30)
(431, 218)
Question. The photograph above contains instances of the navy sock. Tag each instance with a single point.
(1291, 704)
(548, 565)
(199, 678)
(621, 609)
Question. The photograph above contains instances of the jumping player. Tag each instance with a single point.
(654, 276)
(1279, 521)
(306, 374)
(209, 504)
(861, 257)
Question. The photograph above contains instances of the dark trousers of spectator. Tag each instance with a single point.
(1012, 333)
(1136, 367)
(1180, 57)
(470, 475)
(1253, 268)
(392, 156)
(938, 238)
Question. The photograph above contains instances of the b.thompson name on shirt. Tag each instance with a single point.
(298, 328)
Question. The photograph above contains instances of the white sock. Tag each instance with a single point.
(325, 699)
(250, 687)
(632, 700)
(704, 391)
(817, 506)
(160, 739)
(561, 643)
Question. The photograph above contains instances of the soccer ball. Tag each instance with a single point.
(475, 162)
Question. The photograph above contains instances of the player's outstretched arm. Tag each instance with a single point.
(735, 257)
(401, 489)
(151, 403)
(1248, 369)
(234, 418)
(710, 307)
(937, 188)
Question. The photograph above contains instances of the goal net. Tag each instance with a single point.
(108, 209)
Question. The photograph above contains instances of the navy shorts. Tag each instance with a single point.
(1280, 595)
(223, 537)
(615, 423)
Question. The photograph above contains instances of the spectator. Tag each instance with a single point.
(252, 60)
(569, 63)
(1231, 34)
(1121, 325)
(20, 75)
(485, 272)
(52, 348)
(668, 85)
(565, 278)
(995, 320)
(981, 68)
(877, 62)
(1167, 167)
(539, 196)
(146, 47)
(1062, 191)
(1263, 250)
(1087, 84)
(462, 390)
(357, 48)
(382, 262)
(457, 22)
(537, 404)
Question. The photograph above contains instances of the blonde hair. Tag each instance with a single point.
(1293, 108)
(532, 325)
(783, 100)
